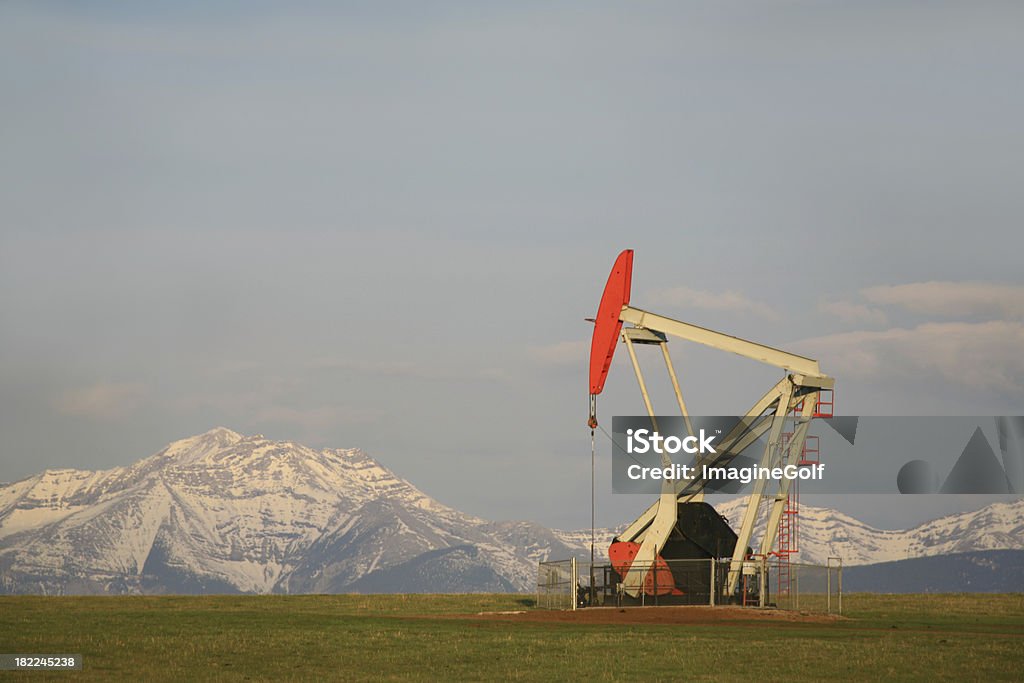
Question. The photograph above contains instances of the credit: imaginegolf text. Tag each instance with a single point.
(743, 475)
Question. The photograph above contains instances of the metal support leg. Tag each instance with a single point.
(665, 516)
(698, 496)
(754, 500)
(640, 380)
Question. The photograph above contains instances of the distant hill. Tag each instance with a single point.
(987, 571)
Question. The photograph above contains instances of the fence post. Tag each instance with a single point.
(839, 584)
(572, 581)
(539, 570)
(593, 586)
(763, 585)
(711, 598)
(794, 585)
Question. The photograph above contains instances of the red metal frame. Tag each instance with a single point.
(824, 407)
(826, 403)
(811, 453)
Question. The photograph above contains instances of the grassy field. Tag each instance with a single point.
(401, 637)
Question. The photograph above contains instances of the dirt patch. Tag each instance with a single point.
(697, 614)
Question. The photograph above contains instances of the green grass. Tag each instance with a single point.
(386, 637)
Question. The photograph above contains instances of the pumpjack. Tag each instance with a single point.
(679, 524)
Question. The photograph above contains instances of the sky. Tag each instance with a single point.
(382, 225)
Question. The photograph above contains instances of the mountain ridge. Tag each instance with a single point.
(224, 512)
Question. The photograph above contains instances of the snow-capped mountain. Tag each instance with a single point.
(222, 512)
(824, 533)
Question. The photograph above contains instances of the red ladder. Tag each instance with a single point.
(788, 543)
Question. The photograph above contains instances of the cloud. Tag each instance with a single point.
(561, 354)
(951, 298)
(273, 405)
(853, 313)
(101, 401)
(373, 368)
(730, 300)
(319, 417)
(985, 355)
(410, 370)
(495, 375)
(981, 351)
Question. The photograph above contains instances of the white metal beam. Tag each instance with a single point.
(665, 514)
(718, 340)
(754, 499)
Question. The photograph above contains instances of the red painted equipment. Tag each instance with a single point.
(823, 407)
(659, 581)
(607, 324)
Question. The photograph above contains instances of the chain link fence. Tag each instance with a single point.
(756, 582)
(557, 584)
(806, 587)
